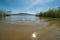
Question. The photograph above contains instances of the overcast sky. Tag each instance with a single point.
(29, 6)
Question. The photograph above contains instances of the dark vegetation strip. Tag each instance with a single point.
(54, 13)
(2, 13)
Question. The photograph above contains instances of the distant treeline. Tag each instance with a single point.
(55, 13)
(2, 13)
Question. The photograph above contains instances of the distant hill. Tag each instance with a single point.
(24, 14)
(21, 14)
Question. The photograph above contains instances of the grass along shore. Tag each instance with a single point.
(2, 13)
(54, 13)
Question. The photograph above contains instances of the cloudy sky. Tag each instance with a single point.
(29, 6)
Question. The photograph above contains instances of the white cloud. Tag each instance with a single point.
(40, 2)
(43, 5)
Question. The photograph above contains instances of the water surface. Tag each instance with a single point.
(29, 28)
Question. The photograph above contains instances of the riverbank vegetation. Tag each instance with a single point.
(2, 13)
(54, 13)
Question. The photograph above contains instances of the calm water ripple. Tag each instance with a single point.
(29, 28)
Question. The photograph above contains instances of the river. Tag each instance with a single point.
(26, 27)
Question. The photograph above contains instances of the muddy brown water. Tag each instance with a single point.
(29, 28)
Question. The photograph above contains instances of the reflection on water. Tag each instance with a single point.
(29, 28)
(34, 35)
(18, 19)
